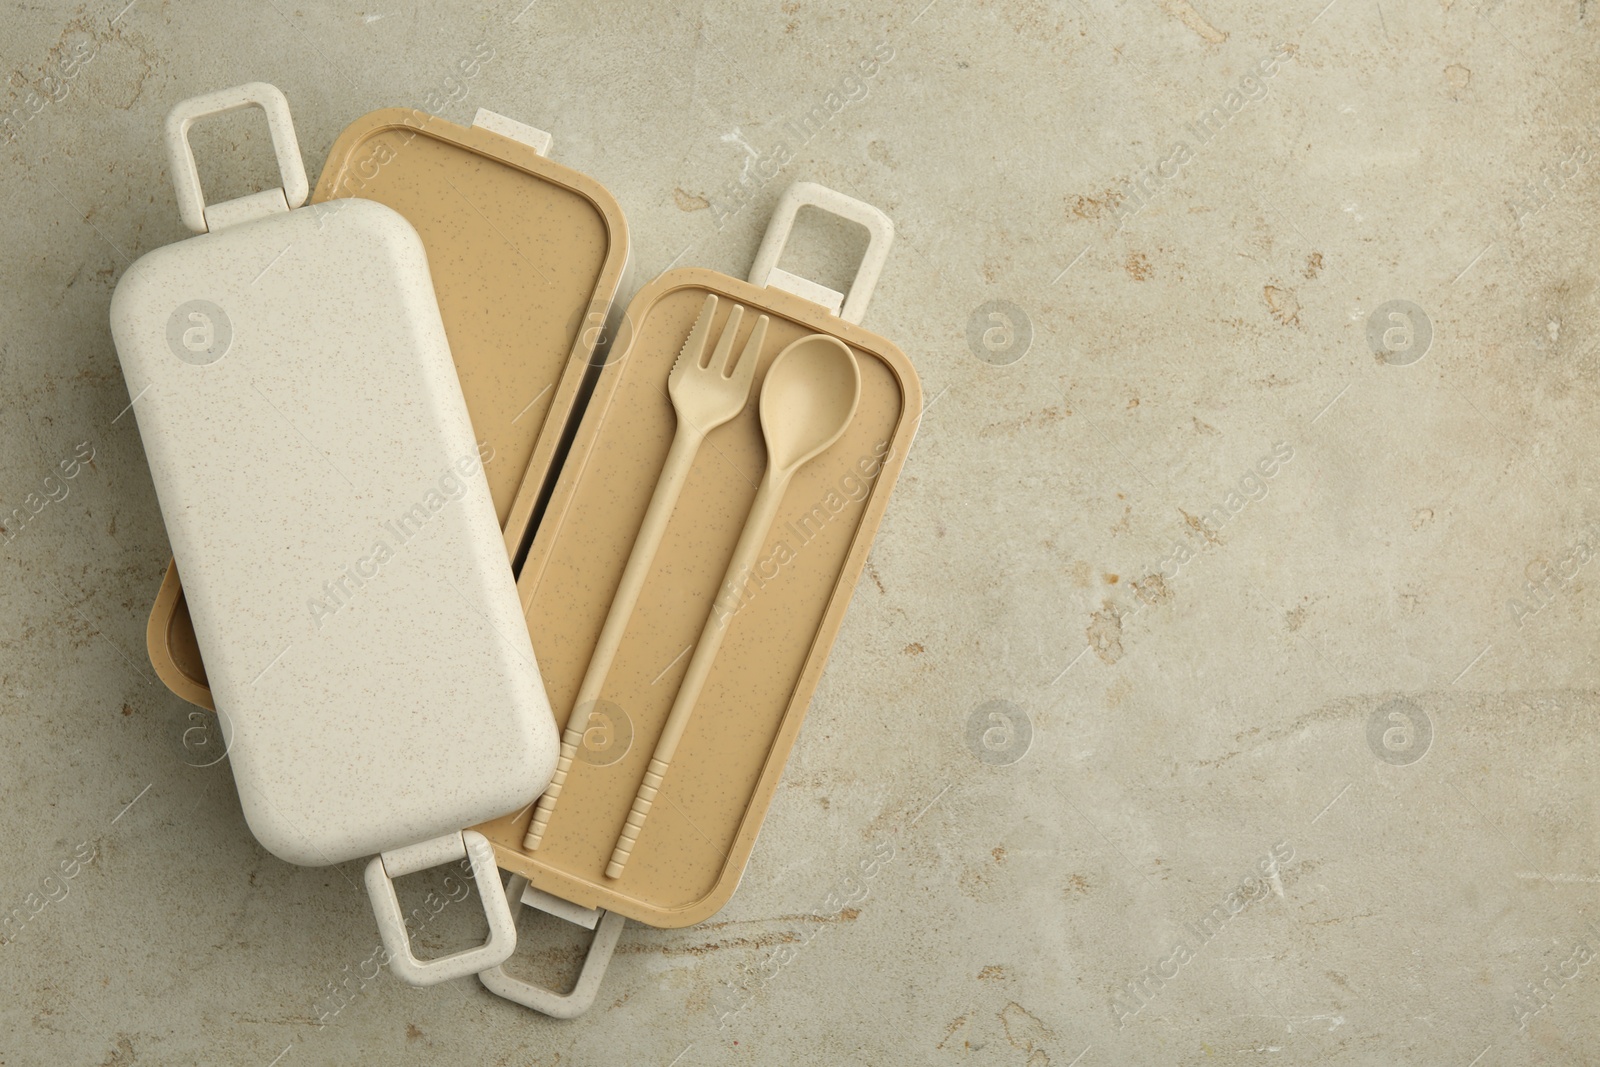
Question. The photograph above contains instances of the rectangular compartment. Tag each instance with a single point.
(693, 850)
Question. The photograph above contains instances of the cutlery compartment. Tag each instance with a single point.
(691, 852)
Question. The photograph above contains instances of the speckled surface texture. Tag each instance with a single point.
(1221, 687)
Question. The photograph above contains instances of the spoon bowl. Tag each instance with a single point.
(808, 398)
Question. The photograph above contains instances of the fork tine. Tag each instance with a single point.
(695, 344)
(724, 350)
(744, 371)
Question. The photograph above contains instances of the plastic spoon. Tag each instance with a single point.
(808, 398)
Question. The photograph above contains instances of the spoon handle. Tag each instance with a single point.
(723, 608)
(680, 459)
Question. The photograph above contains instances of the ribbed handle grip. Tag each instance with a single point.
(642, 802)
(570, 740)
(680, 459)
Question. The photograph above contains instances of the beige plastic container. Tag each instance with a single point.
(690, 856)
(526, 256)
(692, 853)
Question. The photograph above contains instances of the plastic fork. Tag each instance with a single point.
(704, 397)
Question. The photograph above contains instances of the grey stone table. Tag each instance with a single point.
(1222, 688)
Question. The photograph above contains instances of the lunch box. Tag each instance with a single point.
(318, 474)
(689, 858)
(595, 464)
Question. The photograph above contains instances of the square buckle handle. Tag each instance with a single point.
(395, 863)
(186, 176)
(880, 235)
(580, 997)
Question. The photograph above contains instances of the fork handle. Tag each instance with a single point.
(729, 598)
(669, 486)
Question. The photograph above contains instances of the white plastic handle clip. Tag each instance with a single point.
(186, 176)
(580, 998)
(395, 863)
(520, 132)
(880, 232)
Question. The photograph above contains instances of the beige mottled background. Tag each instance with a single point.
(1343, 698)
